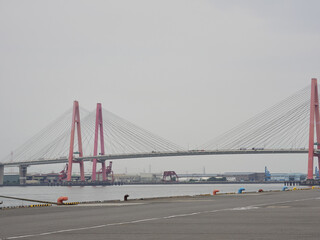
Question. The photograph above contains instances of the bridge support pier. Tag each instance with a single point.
(1, 174)
(23, 174)
(314, 118)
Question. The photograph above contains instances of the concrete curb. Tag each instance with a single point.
(26, 206)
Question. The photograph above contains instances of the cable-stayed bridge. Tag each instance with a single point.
(283, 128)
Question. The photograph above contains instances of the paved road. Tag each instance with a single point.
(276, 215)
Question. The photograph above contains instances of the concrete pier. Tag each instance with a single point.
(23, 174)
(289, 215)
(1, 174)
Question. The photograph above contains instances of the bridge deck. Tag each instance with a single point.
(160, 154)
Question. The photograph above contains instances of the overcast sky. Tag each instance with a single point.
(185, 70)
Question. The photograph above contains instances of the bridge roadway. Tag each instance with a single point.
(158, 154)
(269, 215)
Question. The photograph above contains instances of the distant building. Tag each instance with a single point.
(229, 176)
(148, 177)
(127, 178)
(244, 176)
(288, 176)
(43, 178)
(11, 179)
(283, 177)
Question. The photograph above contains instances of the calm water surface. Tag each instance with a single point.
(100, 193)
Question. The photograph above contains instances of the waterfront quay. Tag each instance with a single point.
(266, 215)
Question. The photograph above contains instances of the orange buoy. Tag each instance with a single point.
(61, 199)
(215, 192)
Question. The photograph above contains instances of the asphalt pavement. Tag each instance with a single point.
(268, 215)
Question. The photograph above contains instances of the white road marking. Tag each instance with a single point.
(156, 218)
(244, 208)
(104, 204)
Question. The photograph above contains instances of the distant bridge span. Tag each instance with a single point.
(159, 154)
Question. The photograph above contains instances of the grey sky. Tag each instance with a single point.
(185, 70)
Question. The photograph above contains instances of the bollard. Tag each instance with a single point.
(61, 199)
(284, 188)
(260, 190)
(125, 198)
(241, 190)
(215, 192)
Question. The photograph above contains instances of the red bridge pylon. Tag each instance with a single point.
(314, 117)
(99, 126)
(75, 125)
